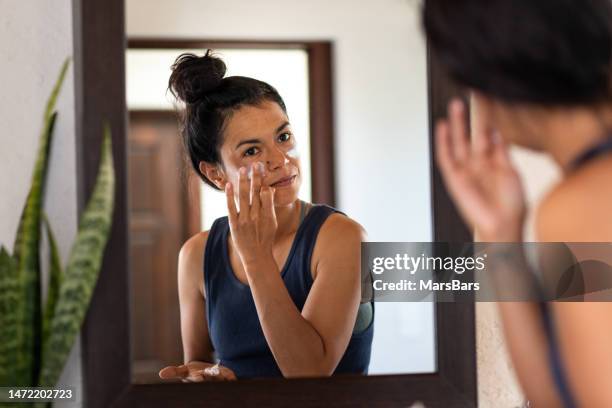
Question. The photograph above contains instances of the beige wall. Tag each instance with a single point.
(497, 386)
(35, 37)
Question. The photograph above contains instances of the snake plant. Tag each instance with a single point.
(36, 339)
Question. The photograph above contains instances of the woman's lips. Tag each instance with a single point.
(287, 181)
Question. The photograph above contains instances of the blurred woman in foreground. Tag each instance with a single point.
(539, 76)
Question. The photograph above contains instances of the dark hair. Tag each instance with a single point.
(210, 99)
(549, 52)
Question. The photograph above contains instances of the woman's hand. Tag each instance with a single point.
(197, 371)
(480, 177)
(254, 226)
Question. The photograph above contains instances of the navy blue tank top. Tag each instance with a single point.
(233, 323)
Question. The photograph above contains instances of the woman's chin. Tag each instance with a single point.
(284, 198)
(287, 195)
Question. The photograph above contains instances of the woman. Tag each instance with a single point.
(271, 289)
(539, 72)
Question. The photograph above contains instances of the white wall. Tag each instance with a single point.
(35, 37)
(381, 121)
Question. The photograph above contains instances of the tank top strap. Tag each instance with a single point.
(554, 358)
(315, 217)
(306, 238)
(603, 147)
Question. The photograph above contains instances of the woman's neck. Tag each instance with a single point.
(287, 218)
(565, 134)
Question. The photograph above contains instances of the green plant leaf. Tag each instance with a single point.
(28, 269)
(81, 273)
(55, 279)
(50, 108)
(10, 298)
(26, 253)
(48, 119)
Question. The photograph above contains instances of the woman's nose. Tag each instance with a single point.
(276, 159)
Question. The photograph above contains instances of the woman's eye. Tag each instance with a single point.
(250, 151)
(284, 137)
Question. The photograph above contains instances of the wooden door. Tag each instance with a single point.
(163, 213)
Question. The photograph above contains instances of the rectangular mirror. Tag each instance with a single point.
(361, 95)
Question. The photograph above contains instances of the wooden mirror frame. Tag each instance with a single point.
(99, 72)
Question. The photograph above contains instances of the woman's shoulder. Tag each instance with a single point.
(194, 246)
(341, 225)
(338, 244)
(338, 229)
(337, 223)
(577, 208)
(191, 260)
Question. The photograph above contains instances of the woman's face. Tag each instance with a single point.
(262, 133)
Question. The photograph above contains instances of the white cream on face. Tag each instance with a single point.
(293, 153)
(250, 170)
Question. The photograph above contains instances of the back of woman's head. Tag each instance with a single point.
(210, 99)
(548, 52)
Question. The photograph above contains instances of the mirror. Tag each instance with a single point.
(375, 77)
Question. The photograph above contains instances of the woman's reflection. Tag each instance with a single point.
(273, 289)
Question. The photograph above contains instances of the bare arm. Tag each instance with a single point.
(528, 348)
(584, 329)
(487, 190)
(310, 343)
(194, 328)
(313, 342)
(197, 347)
(523, 324)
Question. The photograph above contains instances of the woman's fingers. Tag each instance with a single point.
(444, 152)
(459, 130)
(231, 203)
(501, 152)
(256, 188)
(187, 375)
(460, 187)
(228, 374)
(217, 373)
(243, 194)
(181, 371)
(482, 136)
(195, 377)
(267, 203)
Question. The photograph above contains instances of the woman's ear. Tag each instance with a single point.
(213, 173)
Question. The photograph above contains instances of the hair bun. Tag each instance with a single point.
(192, 76)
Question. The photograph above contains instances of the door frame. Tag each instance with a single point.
(191, 203)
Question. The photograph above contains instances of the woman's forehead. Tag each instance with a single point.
(254, 121)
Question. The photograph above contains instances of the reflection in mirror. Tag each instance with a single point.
(379, 88)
